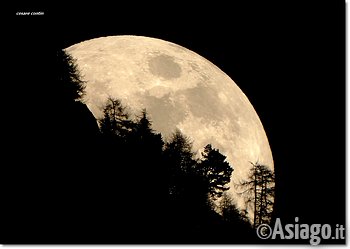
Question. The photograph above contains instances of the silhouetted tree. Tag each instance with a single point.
(146, 140)
(144, 125)
(148, 146)
(115, 121)
(179, 161)
(258, 192)
(229, 211)
(235, 224)
(215, 170)
(179, 149)
(68, 75)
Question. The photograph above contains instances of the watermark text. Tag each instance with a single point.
(314, 232)
(30, 13)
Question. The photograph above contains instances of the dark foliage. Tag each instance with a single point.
(118, 182)
(72, 85)
(259, 193)
(215, 170)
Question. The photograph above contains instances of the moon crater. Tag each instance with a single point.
(164, 66)
(199, 108)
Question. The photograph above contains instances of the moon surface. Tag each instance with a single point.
(180, 89)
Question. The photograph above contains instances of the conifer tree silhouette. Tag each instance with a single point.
(216, 171)
(115, 122)
(72, 85)
(258, 192)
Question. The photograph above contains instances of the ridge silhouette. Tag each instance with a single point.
(116, 181)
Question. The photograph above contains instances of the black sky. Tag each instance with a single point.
(288, 58)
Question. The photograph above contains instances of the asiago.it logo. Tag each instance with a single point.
(314, 232)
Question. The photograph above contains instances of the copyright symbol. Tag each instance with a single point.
(264, 231)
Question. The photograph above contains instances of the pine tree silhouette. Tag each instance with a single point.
(115, 122)
(68, 77)
(258, 192)
(216, 171)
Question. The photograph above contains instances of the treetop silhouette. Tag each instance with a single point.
(69, 76)
(216, 170)
(258, 192)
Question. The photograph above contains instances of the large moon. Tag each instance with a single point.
(180, 90)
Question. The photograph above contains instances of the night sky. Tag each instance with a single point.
(288, 58)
